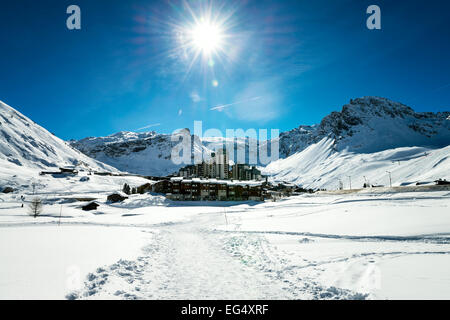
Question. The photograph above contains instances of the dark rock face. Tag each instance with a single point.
(8, 190)
(115, 197)
(124, 143)
(90, 206)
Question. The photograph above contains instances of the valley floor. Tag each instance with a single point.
(355, 246)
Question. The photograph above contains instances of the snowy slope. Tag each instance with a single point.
(367, 138)
(372, 124)
(321, 166)
(26, 145)
(145, 153)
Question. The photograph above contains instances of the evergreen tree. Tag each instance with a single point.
(126, 189)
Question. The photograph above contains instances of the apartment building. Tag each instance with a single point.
(198, 189)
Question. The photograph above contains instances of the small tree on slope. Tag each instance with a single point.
(126, 189)
(35, 207)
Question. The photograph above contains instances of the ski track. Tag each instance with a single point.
(194, 259)
(442, 239)
(189, 261)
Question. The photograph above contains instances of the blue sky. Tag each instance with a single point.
(286, 62)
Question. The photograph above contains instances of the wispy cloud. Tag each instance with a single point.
(221, 107)
(149, 126)
(180, 112)
(195, 97)
(259, 101)
(441, 87)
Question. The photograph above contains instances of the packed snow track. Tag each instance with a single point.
(189, 261)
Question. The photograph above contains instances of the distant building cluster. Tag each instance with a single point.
(200, 189)
(218, 168)
(178, 188)
(216, 180)
(62, 170)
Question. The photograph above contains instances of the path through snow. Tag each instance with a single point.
(190, 261)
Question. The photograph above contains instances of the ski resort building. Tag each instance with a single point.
(198, 189)
(218, 168)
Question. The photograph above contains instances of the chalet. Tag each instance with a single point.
(102, 173)
(144, 188)
(441, 182)
(70, 170)
(255, 193)
(90, 206)
(285, 188)
(116, 197)
(62, 171)
(163, 186)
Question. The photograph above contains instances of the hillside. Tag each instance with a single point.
(26, 148)
(146, 153)
(321, 166)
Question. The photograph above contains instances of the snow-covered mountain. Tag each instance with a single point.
(370, 137)
(147, 153)
(365, 125)
(371, 124)
(321, 166)
(25, 144)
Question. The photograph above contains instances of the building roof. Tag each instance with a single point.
(251, 183)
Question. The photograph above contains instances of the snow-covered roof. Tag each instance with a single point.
(218, 181)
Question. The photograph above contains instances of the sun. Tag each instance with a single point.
(206, 37)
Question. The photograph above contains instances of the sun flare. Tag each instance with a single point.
(206, 37)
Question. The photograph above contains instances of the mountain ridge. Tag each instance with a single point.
(341, 125)
(368, 124)
(364, 139)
